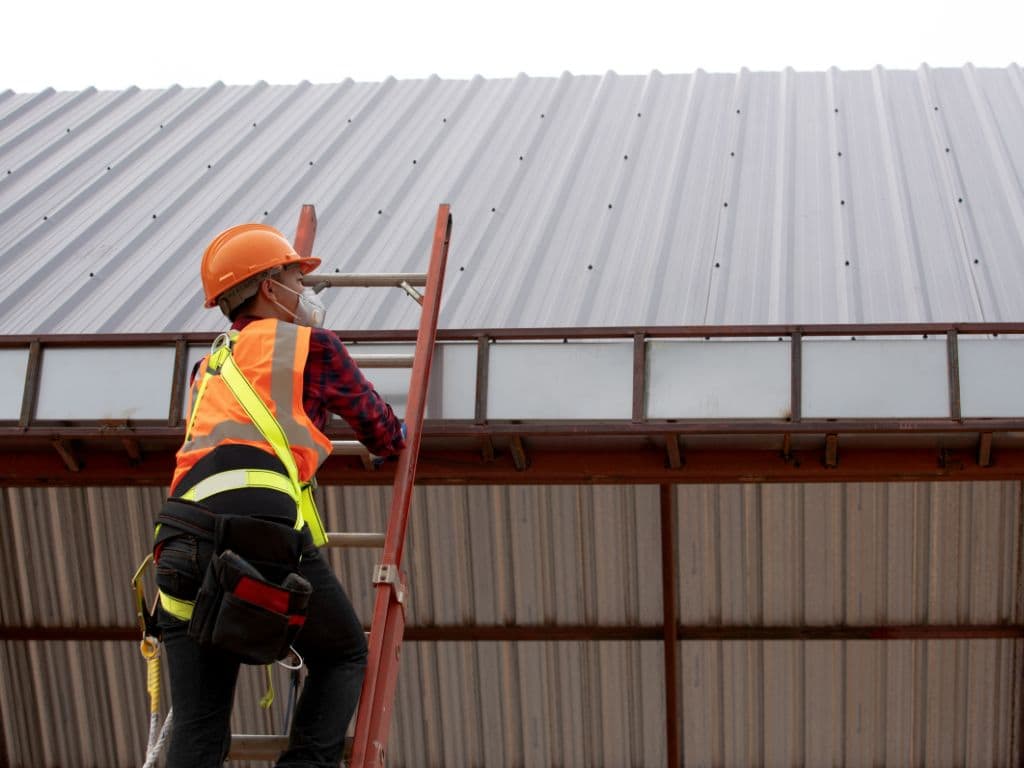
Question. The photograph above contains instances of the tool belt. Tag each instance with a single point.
(252, 602)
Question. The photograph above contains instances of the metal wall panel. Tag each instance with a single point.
(776, 555)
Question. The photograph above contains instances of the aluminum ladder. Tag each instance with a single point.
(368, 746)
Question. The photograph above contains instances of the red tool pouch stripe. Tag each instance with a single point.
(265, 595)
(296, 619)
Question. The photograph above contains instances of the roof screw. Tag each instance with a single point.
(737, 111)
(91, 274)
(45, 218)
(842, 202)
(936, 109)
(847, 263)
(108, 168)
(609, 206)
(975, 261)
(254, 125)
(590, 266)
(840, 154)
(717, 264)
(836, 110)
(154, 215)
(379, 211)
(541, 115)
(493, 210)
(310, 162)
(209, 166)
(444, 119)
(350, 119)
(462, 269)
(725, 205)
(266, 213)
(414, 162)
(947, 149)
(959, 199)
(520, 157)
(625, 157)
(68, 130)
(639, 114)
(732, 154)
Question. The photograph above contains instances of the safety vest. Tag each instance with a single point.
(248, 391)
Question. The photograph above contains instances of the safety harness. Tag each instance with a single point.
(220, 362)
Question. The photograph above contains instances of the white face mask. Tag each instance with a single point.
(309, 310)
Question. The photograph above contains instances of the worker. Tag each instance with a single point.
(233, 470)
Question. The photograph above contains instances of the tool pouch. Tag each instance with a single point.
(251, 606)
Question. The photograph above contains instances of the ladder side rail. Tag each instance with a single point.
(373, 716)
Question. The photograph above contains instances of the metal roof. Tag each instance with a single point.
(877, 196)
(786, 555)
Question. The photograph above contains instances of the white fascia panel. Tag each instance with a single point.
(697, 379)
(991, 377)
(584, 380)
(875, 378)
(114, 383)
(13, 367)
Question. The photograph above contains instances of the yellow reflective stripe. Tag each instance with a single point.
(178, 608)
(264, 421)
(307, 503)
(195, 404)
(236, 479)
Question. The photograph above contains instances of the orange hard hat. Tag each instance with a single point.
(244, 251)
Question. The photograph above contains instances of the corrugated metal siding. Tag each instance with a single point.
(667, 199)
(772, 554)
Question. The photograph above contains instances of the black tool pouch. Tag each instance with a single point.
(252, 603)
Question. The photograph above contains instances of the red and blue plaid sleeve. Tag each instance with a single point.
(333, 383)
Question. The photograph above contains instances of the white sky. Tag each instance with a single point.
(112, 44)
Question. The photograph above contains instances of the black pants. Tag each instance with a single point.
(202, 680)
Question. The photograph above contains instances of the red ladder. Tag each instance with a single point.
(375, 701)
(373, 719)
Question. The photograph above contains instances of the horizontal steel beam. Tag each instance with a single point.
(591, 632)
(559, 333)
(609, 465)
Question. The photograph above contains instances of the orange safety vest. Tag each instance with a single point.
(272, 356)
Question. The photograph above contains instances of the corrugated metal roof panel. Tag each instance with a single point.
(578, 200)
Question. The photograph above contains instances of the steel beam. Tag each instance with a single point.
(670, 626)
(644, 465)
(592, 632)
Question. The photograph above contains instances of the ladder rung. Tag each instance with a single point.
(349, 448)
(368, 280)
(353, 448)
(259, 746)
(383, 361)
(355, 539)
